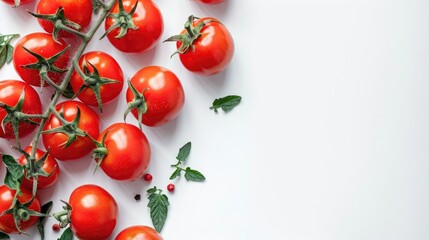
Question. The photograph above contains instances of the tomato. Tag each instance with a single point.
(149, 22)
(139, 233)
(94, 212)
(211, 1)
(10, 93)
(128, 152)
(77, 11)
(211, 51)
(163, 94)
(50, 166)
(89, 122)
(107, 68)
(12, 2)
(44, 45)
(7, 223)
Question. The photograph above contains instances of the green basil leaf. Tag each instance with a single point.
(184, 152)
(194, 175)
(15, 169)
(226, 103)
(176, 173)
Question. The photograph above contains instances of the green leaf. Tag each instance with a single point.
(226, 103)
(15, 169)
(67, 235)
(151, 190)
(194, 175)
(6, 49)
(176, 173)
(11, 182)
(42, 220)
(158, 204)
(4, 236)
(184, 152)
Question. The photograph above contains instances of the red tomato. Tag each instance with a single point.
(211, 1)
(212, 51)
(139, 233)
(77, 11)
(12, 2)
(89, 123)
(10, 92)
(128, 152)
(44, 45)
(7, 223)
(149, 22)
(108, 68)
(50, 166)
(163, 93)
(94, 212)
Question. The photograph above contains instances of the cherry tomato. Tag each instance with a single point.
(212, 51)
(7, 223)
(107, 68)
(89, 123)
(139, 233)
(44, 45)
(10, 92)
(128, 152)
(163, 93)
(50, 166)
(211, 1)
(77, 11)
(94, 212)
(12, 2)
(149, 22)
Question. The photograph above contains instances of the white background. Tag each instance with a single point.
(330, 141)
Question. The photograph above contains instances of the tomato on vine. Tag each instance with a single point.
(155, 96)
(25, 210)
(17, 3)
(91, 212)
(205, 46)
(17, 98)
(123, 152)
(67, 129)
(134, 25)
(49, 170)
(139, 233)
(102, 82)
(40, 51)
(71, 13)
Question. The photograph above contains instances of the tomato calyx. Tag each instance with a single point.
(64, 216)
(92, 80)
(188, 38)
(21, 212)
(46, 65)
(100, 151)
(139, 103)
(70, 129)
(60, 22)
(14, 116)
(123, 20)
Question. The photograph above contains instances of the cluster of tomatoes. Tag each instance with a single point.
(71, 130)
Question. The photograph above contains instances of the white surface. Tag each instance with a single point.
(330, 141)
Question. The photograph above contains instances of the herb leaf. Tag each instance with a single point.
(184, 152)
(4, 236)
(226, 103)
(6, 49)
(158, 204)
(14, 172)
(176, 173)
(42, 220)
(194, 175)
(67, 235)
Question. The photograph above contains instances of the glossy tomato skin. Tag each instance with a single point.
(211, 1)
(149, 21)
(50, 166)
(94, 213)
(12, 2)
(44, 45)
(128, 152)
(163, 93)
(7, 223)
(107, 67)
(77, 11)
(139, 233)
(89, 122)
(213, 50)
(10, 92)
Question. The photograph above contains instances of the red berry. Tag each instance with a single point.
(170, 187)
(147, 177)
(56, 227)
